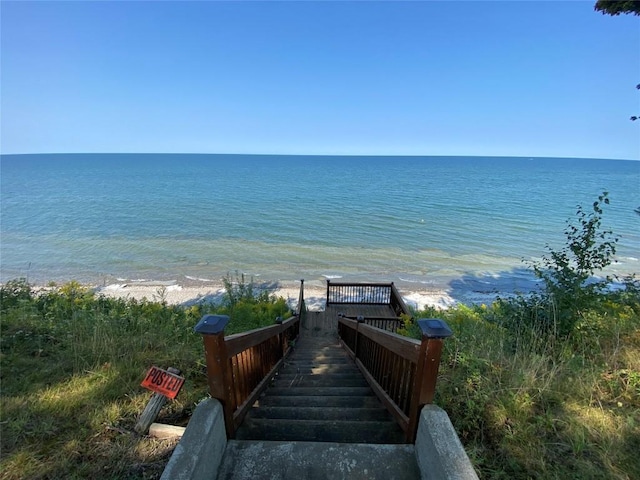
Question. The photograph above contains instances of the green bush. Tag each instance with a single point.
(569, 289)
(249, 307)
(14, 292)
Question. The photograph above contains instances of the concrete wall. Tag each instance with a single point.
(199, 454)
(439, 453)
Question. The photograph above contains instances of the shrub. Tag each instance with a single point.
(237, 290)
(569, 288)
(14, 292)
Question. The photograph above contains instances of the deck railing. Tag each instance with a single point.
(240, 366)
(400, 370)
(339, 293)
(390, 324)
(362, 293)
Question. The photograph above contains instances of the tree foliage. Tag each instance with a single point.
(635, 117)
(570, 287)
(616, 7)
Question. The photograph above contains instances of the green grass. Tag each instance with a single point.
(72, 364)
(525, 404)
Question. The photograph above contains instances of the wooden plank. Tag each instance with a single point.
(405, 347)
(431, 367)
(347, 349)
(237, 379)
(390, 405)
(152, 409)
(352, 324)
(242, 341)
(241, 411)
(163, 431)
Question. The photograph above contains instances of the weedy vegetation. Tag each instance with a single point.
(544, 385)
(547, 385)
(72, 363)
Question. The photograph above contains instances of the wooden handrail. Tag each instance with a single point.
(400, 370)
(240, 366)
(391, 324)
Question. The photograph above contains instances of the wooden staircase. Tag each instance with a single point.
(319, 396)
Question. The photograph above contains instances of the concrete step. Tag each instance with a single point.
(337, 380)
(350, 401)
(340, 431)
(378, 413)
(249, 460)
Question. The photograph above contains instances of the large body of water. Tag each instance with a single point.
(422, 222)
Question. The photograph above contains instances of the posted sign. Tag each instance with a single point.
(163, 382)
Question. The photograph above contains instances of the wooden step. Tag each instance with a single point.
(378, 413)
(337, 380)
(315, 391)
(350, 401)
(319, 369)
(319, 395)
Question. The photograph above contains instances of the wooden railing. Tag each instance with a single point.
(361, 293)
(400, 370)
(390, 324)
(339, 293)
(240, 366)
(397, 303)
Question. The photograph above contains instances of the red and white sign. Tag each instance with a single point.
(163, 382)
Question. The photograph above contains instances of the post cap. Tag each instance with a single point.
(434, 328)
(211, 324)
(360, 318)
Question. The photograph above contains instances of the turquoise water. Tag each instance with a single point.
(418, 221)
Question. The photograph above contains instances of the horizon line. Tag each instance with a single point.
(321, 155)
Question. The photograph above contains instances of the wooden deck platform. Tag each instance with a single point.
(325, 323)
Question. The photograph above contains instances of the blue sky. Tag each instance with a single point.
(509, 78)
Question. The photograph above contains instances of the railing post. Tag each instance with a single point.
(434, 331)
(300, 311)
(328, 283)
(282, 338)
(219, 374)
(360, 320)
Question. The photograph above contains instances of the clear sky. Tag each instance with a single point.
(510, 78)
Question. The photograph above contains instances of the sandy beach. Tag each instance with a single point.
(175, 293)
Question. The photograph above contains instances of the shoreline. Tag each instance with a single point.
(439, 293)
(189, 293)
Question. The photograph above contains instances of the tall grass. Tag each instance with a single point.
(525, 403)
(528, 404)
(72, 363)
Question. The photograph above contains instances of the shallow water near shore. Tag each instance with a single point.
(454, 224)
